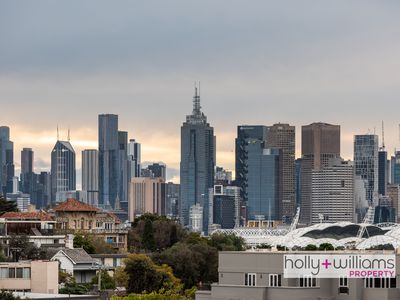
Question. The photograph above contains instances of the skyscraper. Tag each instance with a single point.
(197, 163)
(282, 136)
(63, 172)
(6, 161)
(108, 160)
(134, 159)
(366, 164)
(122, 167)
(90, 176)
(333, 193)
(382, 171)
(158, 170)
(395, 161)
(246, 134)
(26, 160)
(319, 145)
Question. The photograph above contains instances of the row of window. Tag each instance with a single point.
(275, 280)
(15, 273)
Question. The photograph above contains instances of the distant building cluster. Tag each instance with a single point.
(267, 187)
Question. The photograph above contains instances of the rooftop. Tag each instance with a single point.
(27, 216)
(78, 255)
(75, 205)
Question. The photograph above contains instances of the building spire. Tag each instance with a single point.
(383, 135)
(196, 100)
(58, 134)
(68, 137)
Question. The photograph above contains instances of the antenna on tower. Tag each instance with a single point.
(68, 137)
(383, 135)
(58, 135)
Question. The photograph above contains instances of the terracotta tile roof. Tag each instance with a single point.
(40, 216)
(75, 205)
(112, 215)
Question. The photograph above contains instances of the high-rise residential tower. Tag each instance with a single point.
(197, 163)
(282, 136)
(63, 172)
(319, 145)
(366, 164)
(90, 176)
(6, 161)
(108, 160)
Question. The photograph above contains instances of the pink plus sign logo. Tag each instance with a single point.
(326, 264)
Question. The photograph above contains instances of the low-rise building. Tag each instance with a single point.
(78, 263)
(259, 275)
(30, 276)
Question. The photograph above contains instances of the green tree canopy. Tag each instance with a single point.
(84, 242)
(107, 282)
(7, 206)
(226, 242)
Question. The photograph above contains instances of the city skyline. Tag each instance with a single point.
(259, 64)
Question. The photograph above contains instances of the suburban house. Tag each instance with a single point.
(78, 263)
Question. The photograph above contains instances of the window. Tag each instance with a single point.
(3, 272)
(383, 283)
(275, 280)
(250, 279)
(19, 272)
(11, 273)
(307, 281)
(27, 273)
(343, 285)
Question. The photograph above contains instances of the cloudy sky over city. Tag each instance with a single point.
(259, 62)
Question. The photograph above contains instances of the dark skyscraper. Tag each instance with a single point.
(382, 171)
(6, 161)
(26, 160)
(90, 176)
(197, 163)
(63, 172)
(282, 136)
(122, 166)
(158, 170)
(320, 143)
(108, 160)
(246, 134)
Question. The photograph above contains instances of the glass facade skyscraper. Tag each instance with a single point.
(366, 164)
(382, 171)
(197, 163)
(108, 160)
(6, 161)
(63, 172)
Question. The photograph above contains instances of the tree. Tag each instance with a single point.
(5, 295)
(145, 275)
(148, 241)
(107, 282)
(311, 247)
(101, 246)
(7, 206)
(226, 242)
(121, 277)
(84, 242)
(21, 248)
(326, 246)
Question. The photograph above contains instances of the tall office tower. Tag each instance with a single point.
(197, 163)
(63, 172)
(134, 159)
(282, 136)
(172, 194)
(26, 160)
(366, 164)
(333, 193)
(396, 167)
(320, 143)
(246, 134)
(90, 176)
(226, 206)
(123, 167)
(382, 171)
(222, 176)
(263, 181)
(145, 196)
(44, 190)
(6, 161)
(360, 198)
(108, 160)
(158, 170)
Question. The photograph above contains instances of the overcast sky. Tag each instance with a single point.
(259, 62)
